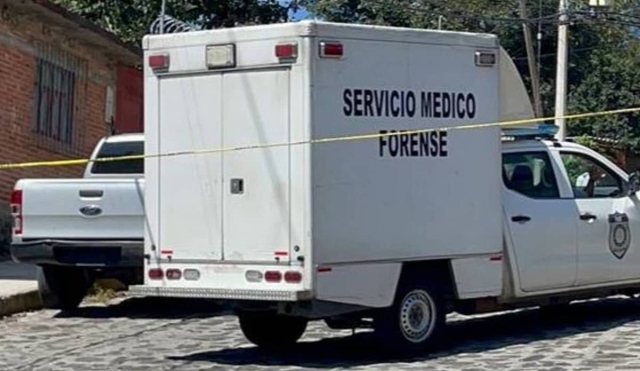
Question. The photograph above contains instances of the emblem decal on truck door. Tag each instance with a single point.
(619, 234)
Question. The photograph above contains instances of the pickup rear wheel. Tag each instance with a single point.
(415, 320)
(62, 287)
(271, 331)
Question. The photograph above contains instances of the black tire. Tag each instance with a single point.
(415, 321)
(271, 331)
(62, 287)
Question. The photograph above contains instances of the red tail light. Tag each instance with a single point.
(293, 277)
(331, 50)
(287, 51)
(156, 274)
(174, 274)
(273, 276)
(159, 61)
(16, 210)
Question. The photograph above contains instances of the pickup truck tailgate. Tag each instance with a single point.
(82, 208)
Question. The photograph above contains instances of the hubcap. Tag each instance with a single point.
(417, 316)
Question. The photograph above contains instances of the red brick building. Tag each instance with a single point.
(64, 83)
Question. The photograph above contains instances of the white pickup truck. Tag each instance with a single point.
(293, 223)
(78, 230)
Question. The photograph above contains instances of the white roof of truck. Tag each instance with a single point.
(128, 137)
(310, 28)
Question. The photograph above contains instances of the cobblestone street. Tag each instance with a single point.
(143, 334)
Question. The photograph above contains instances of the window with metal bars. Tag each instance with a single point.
(55, 101)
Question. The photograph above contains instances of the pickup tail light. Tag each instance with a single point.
(156, 274)
(16, 211)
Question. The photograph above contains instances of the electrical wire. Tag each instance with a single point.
(546, 55)
(459, 14)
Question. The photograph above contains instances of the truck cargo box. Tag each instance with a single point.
(279, 197)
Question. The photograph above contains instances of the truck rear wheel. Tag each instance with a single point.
(62, 287)
(415, 320)
(271, 331)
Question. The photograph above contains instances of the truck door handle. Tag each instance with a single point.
(520, 219)
(588, 216)
(91, 193)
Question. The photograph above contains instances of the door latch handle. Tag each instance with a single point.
(520, 219)
(237, 186)
(588, 216)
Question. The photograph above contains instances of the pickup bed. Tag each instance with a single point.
(78, 230)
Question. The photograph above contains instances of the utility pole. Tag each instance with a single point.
(561, 71)
(533, 72)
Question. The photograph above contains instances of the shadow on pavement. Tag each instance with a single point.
(467, 336)
(148, 308)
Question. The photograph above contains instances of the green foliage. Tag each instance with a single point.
(575, 168)
(604, 61)
(586, 141)
(604, 52)
(131, 19)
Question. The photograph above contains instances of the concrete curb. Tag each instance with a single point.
(21, 302)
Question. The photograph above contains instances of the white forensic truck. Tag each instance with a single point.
(276, 217)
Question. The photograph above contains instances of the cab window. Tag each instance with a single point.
(119, 149)
(589, 178)
(530, 174)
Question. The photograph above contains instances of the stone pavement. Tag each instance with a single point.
(143, 334)
(18, 288)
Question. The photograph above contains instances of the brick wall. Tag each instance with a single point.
(20, 46)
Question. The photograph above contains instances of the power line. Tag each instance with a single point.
(546, 55)
(459, 14)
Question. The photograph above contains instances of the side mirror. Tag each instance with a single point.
(634, 183)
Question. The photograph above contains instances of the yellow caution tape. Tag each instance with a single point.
(85, 161)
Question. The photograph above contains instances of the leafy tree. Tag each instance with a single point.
(131, 19)
(604, 62)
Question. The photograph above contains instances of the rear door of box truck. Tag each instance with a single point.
(231, 206)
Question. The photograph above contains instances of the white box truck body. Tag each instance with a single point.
(288, 225)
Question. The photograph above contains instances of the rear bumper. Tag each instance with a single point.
(223, 294)
(80, 253)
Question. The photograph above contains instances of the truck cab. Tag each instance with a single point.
(572, 215)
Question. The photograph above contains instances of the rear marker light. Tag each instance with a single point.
(273, 276)
(16, 210)
(156, 274)
(293, 277)
(287, 51)
(324, 269)
(485, 59)
(496, 258)
(159, 62)
(331, 50)
(253, 276)
(16, 197)
(174, 274)
(191, 274)
(17, 225)
(221, 56)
